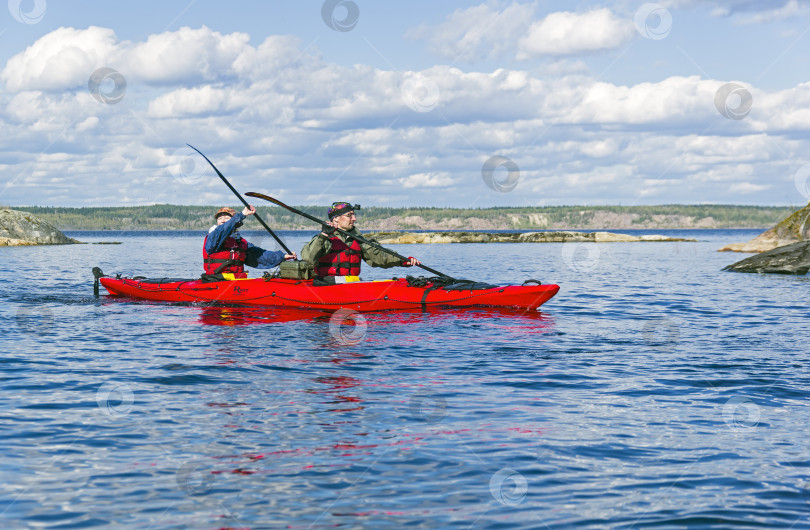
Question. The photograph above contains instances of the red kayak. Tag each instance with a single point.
(381, 295)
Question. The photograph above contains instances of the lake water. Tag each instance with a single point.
(653, 391)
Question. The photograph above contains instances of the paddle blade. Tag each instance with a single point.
(266, 197)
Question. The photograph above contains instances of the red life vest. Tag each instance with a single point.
(231, 258)
(343, 260)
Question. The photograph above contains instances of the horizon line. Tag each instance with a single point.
(424, 206)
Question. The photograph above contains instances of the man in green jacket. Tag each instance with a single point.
(337, 257)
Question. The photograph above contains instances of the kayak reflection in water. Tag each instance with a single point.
(225, 252)
(337, 257)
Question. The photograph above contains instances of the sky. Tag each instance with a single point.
(419, 103)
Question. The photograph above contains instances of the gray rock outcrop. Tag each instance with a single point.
(389, 238)
(792, 229)
(788, 259)
(22, 228)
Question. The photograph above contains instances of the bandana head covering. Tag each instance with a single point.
(339, 208)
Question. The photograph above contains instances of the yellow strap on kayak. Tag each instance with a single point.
(229, 276)
(346, 279)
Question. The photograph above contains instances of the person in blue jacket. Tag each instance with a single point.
(226, 252)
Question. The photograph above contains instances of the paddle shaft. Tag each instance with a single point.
(256, 215)
(355, 236)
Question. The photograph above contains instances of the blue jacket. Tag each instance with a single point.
(257, 257)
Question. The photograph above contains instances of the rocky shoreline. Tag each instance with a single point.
(784, 249)
(787, 259)
(403, 238)
(19, 229)
(792, 229)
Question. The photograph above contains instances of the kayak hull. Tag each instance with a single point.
(360, 296)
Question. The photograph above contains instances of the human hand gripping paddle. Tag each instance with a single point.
(261, 221)
(355, 236)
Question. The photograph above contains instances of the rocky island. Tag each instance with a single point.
(792, 229)
(787, 259)
(389, 238)
(784, 249)
(22, 228)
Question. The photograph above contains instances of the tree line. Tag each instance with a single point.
(174, 217)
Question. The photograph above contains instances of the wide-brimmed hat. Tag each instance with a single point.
(224, 211)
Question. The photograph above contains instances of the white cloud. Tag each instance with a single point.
(700, 150)
(600, 149)
(87, 124)
(793, 8)
(64, 58)
(369, 141)
(183, 55)
(484, 32)
(785, 110)
(723, 175)
(275, 54)
(675, 99)
(427, 180)
(747, 11)
(477, 32)
(747, 187)
(204, 100)
(279, 115)
(566, 33)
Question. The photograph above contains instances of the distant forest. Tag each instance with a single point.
(173, 217)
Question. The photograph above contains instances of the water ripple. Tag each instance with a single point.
(652, 392)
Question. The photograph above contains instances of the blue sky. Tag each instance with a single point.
(421, 103)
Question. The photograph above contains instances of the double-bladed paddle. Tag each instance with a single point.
(355, 236)
(256, 215)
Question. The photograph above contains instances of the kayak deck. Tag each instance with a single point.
(361, 296)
